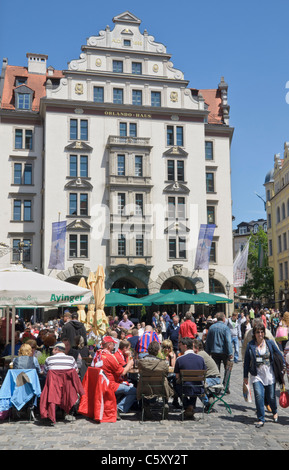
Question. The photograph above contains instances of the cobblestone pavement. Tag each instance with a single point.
(218, 431)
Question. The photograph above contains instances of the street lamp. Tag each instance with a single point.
(227, 287)
(285, 292)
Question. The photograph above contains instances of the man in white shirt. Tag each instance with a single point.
(59, 360)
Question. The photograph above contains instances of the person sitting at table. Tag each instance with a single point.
(125, 393)
(169, 354)
(144, 341)
(153, 363)
(8, 347)
(123, 353)
(25, 359)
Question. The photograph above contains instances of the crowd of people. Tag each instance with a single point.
(168, 343)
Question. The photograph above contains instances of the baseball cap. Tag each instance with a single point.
(108, 339)
(60, 346)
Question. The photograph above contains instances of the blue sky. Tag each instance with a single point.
(246, 42)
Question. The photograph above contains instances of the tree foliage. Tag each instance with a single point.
(260, 277)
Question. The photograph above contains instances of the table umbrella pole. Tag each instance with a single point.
(7, 324)
(13, 334)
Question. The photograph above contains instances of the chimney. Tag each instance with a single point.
(37, 63)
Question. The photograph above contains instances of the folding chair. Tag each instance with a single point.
(219, 391)
(197, 377)
(152, 385)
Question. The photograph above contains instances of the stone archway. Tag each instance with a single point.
(179, 273)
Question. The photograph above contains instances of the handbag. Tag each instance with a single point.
(284, 398)
(281, 333)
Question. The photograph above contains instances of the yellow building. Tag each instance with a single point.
(277, 208)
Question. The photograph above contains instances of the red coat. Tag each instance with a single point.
(62, 388)
(99, 401)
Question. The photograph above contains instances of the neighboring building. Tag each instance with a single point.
(277, 207)
(122, 149)
(243, 231)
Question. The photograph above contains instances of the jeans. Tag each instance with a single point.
(235, 344)
(261, 392)
(127, 395)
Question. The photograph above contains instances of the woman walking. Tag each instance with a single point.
(259, 359)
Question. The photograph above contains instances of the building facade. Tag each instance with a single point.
(122, 149)
(277, 208)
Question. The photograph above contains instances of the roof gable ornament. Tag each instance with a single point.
(79, 145)
(127, 18)
(176, 187)
(79, 183)
(176, 151)
(78, 225)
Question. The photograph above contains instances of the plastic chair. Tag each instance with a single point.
(220, 390)
(197, 378)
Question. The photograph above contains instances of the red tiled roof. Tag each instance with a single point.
(214, 101)
(35, 81)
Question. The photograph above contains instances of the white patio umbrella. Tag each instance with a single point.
(20, 287)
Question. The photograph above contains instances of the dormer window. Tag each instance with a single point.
(23, 97)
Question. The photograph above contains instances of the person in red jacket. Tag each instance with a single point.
(188, 329)
(125, 393)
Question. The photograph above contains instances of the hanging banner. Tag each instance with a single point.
(57, 254)
(240, 266)
(204, 246)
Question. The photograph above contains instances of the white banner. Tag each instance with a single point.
(240, 266)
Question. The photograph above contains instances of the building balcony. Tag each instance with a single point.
(117, 141)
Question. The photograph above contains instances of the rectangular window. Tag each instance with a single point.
(209, 150)
(117, 66)
(83, 129)
(23, 139)
(139, 204)
(139, 245)
(136, 68)
(123, 129)
(284, 241)
(211, 214)
(180, 136)
(21, 250)
(281, 272)
(72, 246)
(120, 203)
(18, 138)
(83, 248)
(170, 135)
(78, 129)
(17, 210)
(213, 256)
(172, 248)
(137, 97)
(210, 184)
(17, 173)
(127, 42)
(181, 170)
(23, 100)
(121, 248)
(27, 211)
(171, 170)
(181, 208)
(118, 96)
(73, 129)
(121, 165)
(73, 166)
(98, 94)
(270, 248)
(83, 166)
(182, 248)
(132, 129)
(27, 175)
(138, 167)
(286, 270)
(83, 204)
(73, 204)
(171, 208)
(78, 246)
(155, 98)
